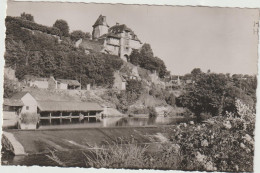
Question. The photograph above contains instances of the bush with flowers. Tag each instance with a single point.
(222, 143)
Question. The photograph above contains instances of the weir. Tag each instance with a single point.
(23, 142)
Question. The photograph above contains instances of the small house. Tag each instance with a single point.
(38, 82)
(68, 84)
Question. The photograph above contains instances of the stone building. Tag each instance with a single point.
(116, 40)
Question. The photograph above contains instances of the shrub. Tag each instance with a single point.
(29, 118)
(152, 112)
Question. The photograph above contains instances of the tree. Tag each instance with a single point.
(87, 35)
(76, 35)
(27, 17)
(196, 71)
(212, 93)
(135, 57)
(63, 26)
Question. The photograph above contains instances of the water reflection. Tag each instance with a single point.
(119, 121)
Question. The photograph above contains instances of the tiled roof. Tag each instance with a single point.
(69, 82)
(44, 95)
(13, 102)
(68, 106)
(19, 95)
(116, 29)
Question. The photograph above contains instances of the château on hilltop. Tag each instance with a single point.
(117, 40)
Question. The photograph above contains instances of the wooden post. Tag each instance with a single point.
(96, 116)
(50, 117)
(88, 116)
(60, 117)
(79, 117)
(70, 116)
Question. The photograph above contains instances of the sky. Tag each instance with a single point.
(220, 39)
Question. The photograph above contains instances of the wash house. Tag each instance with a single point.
(53, 108)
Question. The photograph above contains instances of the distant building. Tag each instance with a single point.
(38, 82)
(117, 40)
(9, 73)
(68, 84)
(51, 83)
(51, 106)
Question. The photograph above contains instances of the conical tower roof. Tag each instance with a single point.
(101, 21)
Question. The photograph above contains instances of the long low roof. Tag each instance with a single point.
(13, 102)
(68, 106)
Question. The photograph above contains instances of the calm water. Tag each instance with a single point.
(76, 158)
(114, 122)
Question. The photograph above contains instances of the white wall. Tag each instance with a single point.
(30, 103)
(40, 84)
(113, 41)
(113, 49)
(135, 44)
(63, 86)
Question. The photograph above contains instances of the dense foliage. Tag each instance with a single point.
(27, 17)
(225, 143)
(63, 26)
(124, 99)
(145, 59)
(18, 22)
(76, 35)
(216, 93)
(43, 55)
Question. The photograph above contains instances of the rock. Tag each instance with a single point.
(191, 123)
(184, 124)
(5, 162)
(198, 127)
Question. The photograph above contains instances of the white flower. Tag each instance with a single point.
(204, 143)
(209, 166)
(242, 145)
(200, 157)
(227, 124)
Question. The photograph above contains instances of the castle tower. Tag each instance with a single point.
(100, 27)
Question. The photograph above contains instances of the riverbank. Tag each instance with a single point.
(223, 143)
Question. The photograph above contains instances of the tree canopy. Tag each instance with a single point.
(146, 59)
(76, 35)
(28, 17)
(214, 94)
(42, 55)
(63, 26)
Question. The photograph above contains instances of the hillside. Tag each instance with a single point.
(34, 49)
(41, 54)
